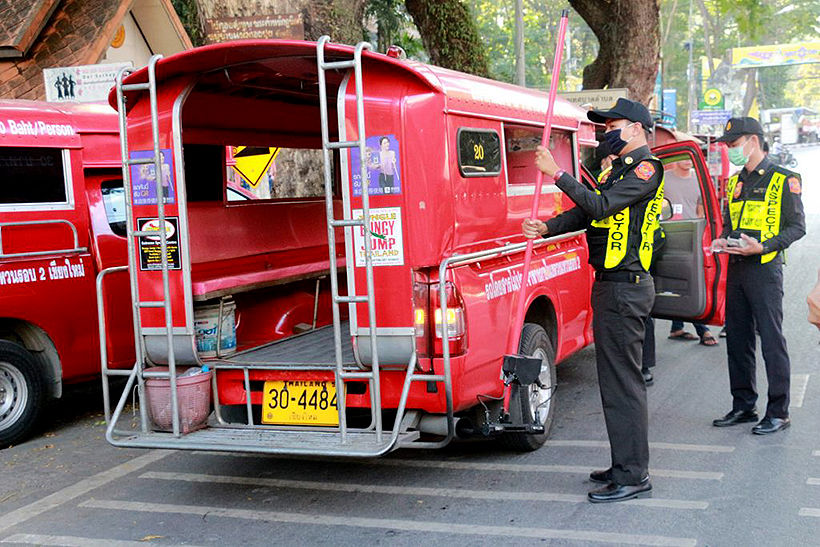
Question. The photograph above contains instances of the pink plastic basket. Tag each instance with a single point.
(193, 398)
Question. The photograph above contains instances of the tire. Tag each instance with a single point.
(793, 162)
(22, 393)
(524, 400)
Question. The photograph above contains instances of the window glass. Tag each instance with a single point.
(479, 153)
(521, 142)
(32, 175)
(260, 173)
(681, 188)
(114, 201)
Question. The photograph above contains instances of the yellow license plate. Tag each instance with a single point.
(300, 402)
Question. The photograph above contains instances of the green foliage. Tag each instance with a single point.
(737, 23)
(394, 26)
(496, 24)
(189, 15)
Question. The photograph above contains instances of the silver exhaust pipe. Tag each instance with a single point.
(436, 424)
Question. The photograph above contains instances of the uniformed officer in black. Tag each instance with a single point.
(621, 218)
(764, 215)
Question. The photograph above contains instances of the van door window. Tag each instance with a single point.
(33, 177)
(479, 152)
(113, 196)
(275, 173)
(520, 144)
(682, 189)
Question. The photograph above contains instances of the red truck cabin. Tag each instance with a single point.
(60, 172)
(441, 163)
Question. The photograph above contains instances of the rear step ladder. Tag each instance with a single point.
(137, 373)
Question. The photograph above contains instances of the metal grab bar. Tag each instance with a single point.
(76, 249)
(460, 260)
(104, 339)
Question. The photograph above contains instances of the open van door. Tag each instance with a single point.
(689, 279)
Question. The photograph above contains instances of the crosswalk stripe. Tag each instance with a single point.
(71, 541)
(799, 383)
(652, 445)
(813, 481)
(391, 524)
(536, 468)
(494, 495)
(78, 489)
(809, 512)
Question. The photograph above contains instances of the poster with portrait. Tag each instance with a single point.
(383, 166)
(144, 181)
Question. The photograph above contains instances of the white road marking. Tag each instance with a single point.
(72, 541)
(813, 481)
(799, 383)
(537, 468)
(494, 495)
(205, 512)
(654, 446)
(809, 512)
(816, 453)
(83, 487)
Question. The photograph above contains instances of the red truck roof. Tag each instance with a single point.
(38, 123)
(251, 60)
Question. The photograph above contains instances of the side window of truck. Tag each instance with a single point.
(479, 152)
(114, 201)
(275, 173)
(521, 142)
(33, 178)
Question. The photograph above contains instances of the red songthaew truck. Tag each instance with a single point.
(62, 220)
(366, 304)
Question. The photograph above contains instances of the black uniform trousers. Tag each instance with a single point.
(620, 310)
(754, 296)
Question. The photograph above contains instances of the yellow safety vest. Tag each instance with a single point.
(617, 244)
(760, 216)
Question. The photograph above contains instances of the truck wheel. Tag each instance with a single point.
(21, 393)
(533, 404)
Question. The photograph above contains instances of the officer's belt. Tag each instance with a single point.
(621, 277)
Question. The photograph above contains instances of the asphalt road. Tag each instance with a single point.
(711, 486)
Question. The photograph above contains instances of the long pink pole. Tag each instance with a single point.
(518, 324)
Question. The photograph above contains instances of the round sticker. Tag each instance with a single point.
(712, 97)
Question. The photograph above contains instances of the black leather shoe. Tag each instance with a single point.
(620, 492)
(648, 379)
(771, 425)
(604, 476)
(736, 417)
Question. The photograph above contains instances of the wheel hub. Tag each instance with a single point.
(541, 397)
(13, 393)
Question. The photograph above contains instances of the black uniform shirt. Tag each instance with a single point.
(792, 217)
(616, 194)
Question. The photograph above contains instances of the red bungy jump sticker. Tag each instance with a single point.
(795, 186)
(645, 170)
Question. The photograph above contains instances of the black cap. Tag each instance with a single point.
(623, 109)
(737, 127)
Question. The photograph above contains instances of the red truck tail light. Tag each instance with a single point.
(454, 322)
(427, 319)
(421, 307)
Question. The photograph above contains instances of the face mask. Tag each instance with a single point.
(737, 156)
(614, 140)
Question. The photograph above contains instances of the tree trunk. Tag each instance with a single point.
(449, 34)
(520, 56)
(628, 33)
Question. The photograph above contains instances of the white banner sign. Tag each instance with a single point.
(81, 84)
(596, 98)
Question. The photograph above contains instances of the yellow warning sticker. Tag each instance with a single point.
(253, 161)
